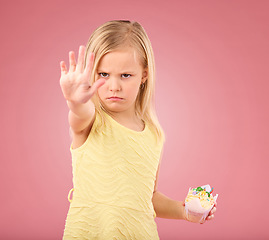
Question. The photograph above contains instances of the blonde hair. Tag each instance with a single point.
(113, 35)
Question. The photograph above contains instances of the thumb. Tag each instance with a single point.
(92, 89)
(100, 82)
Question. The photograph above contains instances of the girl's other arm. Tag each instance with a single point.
(166, 207)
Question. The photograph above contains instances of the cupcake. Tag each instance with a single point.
(199, 203)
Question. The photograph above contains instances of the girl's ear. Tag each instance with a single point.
(144, 75)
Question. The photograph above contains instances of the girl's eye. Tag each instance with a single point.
(126, 75)
(103, 75)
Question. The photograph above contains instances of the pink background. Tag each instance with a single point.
(211, 96)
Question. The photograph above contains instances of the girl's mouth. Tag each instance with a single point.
(115, 98)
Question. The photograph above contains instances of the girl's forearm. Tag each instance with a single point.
(80, 115)
(81, 110)
(166, 207)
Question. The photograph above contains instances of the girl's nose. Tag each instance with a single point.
(114, 84)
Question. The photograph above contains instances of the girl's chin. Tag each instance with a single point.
(113, 107)
(116, 109)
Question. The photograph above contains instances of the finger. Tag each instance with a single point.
(72, 62)
(89, 64)
(213, 210)
(93, 89)
(81, 58)
(100, 82)
(210, 217)
(63, 68)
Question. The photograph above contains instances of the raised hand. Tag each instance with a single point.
(75, 82)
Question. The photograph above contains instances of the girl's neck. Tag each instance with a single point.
(128, 119)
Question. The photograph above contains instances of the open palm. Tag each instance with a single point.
(75, 82)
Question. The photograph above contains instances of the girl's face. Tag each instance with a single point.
(123, 72)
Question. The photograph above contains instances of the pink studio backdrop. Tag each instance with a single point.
(211, 98)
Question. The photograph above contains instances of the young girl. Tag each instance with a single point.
(116, 137)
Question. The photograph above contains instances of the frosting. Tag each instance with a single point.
(201, 195)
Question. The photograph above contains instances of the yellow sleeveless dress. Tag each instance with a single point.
(114, 175)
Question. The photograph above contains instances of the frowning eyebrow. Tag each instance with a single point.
(121, 72)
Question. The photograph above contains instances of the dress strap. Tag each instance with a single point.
(69, 195)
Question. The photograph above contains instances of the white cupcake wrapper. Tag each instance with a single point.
(194, 210)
